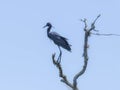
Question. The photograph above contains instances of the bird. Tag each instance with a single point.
(59, 40)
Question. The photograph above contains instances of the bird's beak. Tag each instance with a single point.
(44, 26)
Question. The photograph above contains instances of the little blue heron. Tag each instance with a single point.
(60, 41)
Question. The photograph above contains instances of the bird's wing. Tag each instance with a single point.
(58, 39)
(58, 35)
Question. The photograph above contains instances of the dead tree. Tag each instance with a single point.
(87, 34)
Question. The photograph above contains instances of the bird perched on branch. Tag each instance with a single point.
(59, 40)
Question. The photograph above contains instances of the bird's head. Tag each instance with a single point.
(48, 25)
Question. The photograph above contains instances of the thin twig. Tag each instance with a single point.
(105, 34)
(96, 19)
(93, 24)
(85, 22)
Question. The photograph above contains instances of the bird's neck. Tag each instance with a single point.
(48, 30)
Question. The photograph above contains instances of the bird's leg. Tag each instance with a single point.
(59, 57)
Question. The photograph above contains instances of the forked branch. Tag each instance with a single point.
(64, 79)
(85, 49)
(61, 74)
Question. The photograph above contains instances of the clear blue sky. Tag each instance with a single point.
(25, 50)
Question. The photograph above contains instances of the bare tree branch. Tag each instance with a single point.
(85, 55)
(64, 78)
(93, 24)
(85, 50)
(98, 34)
(85, 22)
(95, 20)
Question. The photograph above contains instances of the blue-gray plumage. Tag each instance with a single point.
(60, 41)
